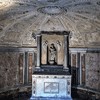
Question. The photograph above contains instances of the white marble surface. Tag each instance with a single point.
(51, 86)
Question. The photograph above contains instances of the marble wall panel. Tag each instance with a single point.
(73, 60)
(30, 65)
(15, 69)
(8, 69)
(83, 68)
(74, 68)
(21, 66)
(93, 70)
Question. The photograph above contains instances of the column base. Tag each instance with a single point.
(37, 67)
(66, 68)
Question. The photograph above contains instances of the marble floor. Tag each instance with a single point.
(25, 98)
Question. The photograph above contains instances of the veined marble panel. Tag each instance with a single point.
(93, 70)
(8, 69)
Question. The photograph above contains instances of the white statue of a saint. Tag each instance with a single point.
(52, 54)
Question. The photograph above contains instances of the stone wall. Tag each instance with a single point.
(19, 61)
(85, 67)
(93, 70)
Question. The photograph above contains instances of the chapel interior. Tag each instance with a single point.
(57, 39)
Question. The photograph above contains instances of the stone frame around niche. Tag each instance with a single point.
(65, 43)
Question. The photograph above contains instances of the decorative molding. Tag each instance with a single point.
(84, 50)
(51, 10)
(16, 49)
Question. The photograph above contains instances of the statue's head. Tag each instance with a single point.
(52, 45)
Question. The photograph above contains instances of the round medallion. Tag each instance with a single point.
(49, 1)
(51, 10)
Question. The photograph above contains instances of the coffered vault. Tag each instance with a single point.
(20, 18)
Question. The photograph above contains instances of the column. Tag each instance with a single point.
(66, 52)
(80, 70)
(26, 69)
(38, 50)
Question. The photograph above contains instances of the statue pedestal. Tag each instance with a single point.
(51, 87)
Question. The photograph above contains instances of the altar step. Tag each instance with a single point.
(50, 98)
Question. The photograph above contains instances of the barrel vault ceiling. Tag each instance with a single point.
(19, 19)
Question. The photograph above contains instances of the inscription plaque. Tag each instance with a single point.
(51, 87)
